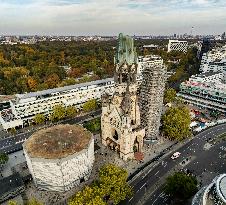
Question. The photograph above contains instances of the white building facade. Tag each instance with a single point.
(176, 45)
(206, 90)
(214, 60)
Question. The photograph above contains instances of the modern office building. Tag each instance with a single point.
(206, 90)
(176, 45)
(214, 60)
(213, 194)
(60, 157)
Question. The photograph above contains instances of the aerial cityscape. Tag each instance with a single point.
(119, 102)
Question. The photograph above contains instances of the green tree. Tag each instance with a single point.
(180, 185)
(176, 123)
(90, 195)
(39, 119)
(71, 111)
(93, 125)
(111, 188)
(169, 95)
(11, 202)
(113, 181)
(13, 130)
(90, 105)
(59, 112)
(32, 201)
(3, 158)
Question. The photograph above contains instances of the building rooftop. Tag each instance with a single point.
(57, 141)
(61, 89)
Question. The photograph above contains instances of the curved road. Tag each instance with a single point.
(200, 159)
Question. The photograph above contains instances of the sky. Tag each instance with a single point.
(110, 17)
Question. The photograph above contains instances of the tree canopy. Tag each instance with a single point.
(181, 185)
(27, 68)
(93, 125)
(3, 158)
(176, 123)
(169, 95)
(71, 111)
(59, 112)
(90, 105)
(39, 118)
(111, 187)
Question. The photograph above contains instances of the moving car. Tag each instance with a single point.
(175, 155)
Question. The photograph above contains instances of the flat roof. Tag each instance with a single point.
(10, 183)
(61, 89)
(57, 142)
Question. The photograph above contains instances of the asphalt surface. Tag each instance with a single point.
(198, 160)
(14, 143)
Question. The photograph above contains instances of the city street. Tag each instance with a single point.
(199, 159)
(14, 143)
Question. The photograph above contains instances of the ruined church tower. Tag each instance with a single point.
(120, 120)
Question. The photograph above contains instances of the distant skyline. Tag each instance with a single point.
(102, 17)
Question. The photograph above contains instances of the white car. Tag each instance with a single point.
(175, 155)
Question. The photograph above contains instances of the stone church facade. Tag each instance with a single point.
(120, 120)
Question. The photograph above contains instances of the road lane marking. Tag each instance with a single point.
(142, 186)
(157, 198)
(156, 172)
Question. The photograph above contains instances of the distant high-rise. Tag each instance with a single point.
(151, 96)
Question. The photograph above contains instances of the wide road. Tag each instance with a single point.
(200, 159)
(14, 143)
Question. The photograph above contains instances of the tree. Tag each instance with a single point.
(169, 95)
(3, 158)
(33, 201)
(39, 119)
(32, 84)
(11, 202)
(71, 111)
(93, 125)
(58, 113)
(90, 195)
(75, 72)
(113, 181)
(176, 123)
(13, 130)
(110, 188)
(181, 185)
(52, 80)
(90, 105)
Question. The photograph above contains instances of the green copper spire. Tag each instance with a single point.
(126, 52)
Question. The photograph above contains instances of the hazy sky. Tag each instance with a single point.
(109, 17)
